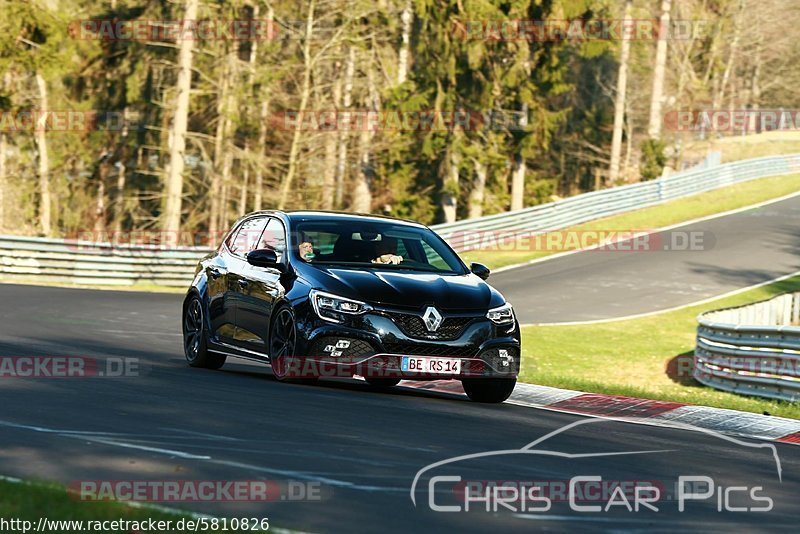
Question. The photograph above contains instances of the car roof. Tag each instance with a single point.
(321, 215)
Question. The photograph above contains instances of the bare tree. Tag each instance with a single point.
(654, 127)
(305, 92)
(619, 98)
(341, 165)
(406, 19)
(478, 189)
(3, 152)
(44, 162)
(719, 96)
(449, 195)
(519, 170)
(180, 121)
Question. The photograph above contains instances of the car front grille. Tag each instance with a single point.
(413, 326)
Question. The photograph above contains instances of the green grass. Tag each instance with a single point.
(669, 213)
(735, 148)
(30, 501)
(631, 357)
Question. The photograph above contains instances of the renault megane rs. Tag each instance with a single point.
(322, 294)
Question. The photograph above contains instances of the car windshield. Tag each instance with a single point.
(380, 245)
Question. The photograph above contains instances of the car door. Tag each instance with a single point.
(220, 299)
(230, 281)
(259, 289)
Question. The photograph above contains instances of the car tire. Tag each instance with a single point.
(195, 337)
(489, 390)
(282, 344)
(382, 383)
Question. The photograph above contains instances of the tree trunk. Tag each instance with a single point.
(518, 183)
(719, 97)
(100, 201)
(3, 150)
(180, 122)
(258, 186)
(224, 212)
(44, 163)
(221, 156)
(476, 196)
(406, 19)
(305, 91)
(519, 170)
(449, 196)
(119, 197)
(3, 161)
(619, 99)
(262, 142)
(362, 194)
(362, 198)
(626, 164)
(753, 125)
(243, 191)
(654, 127)
(329, 172)
(341, 167)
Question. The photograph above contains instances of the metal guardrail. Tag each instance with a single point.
(597, 204)
(83, 262)
(752, 349)
(77, 262)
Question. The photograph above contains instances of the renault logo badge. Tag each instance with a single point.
(432, 319)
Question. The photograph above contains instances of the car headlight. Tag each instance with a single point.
(334, 308)
(501, 315)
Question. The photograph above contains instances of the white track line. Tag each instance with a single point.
(674, 308)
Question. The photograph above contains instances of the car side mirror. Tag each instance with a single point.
(265, 257)
(480, 270)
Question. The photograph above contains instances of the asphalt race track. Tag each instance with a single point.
(738, 250)
(363, 447)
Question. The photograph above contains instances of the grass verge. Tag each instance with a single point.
(667, 214)
(638, 357)
(31, 501)
(735, 148)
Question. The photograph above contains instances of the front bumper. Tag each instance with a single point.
(374, 344)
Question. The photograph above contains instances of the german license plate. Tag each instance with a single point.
(442, 366)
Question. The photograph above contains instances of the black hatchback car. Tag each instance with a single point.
(322, 294)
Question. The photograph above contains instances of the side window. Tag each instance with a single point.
(401, 249)
(274, 237)
(433, 257)
(247, 236)
(231, 237)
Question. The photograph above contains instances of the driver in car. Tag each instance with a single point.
(306, 250)
(386, 250)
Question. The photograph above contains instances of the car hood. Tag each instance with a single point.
(406, 288)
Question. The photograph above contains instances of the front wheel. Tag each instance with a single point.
(195, 339)
(282, 344)
(489, 390)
